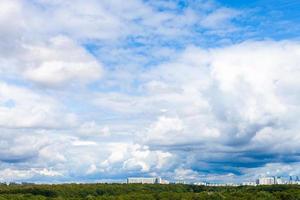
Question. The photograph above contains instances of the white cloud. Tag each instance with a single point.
(165, 129)
(83, 143)
(23, 108)
(237, 99)
(144, 160)
(47, 172)
(19, 148)
(185, 174)
(60, 61)
(9, 174)
(219, 18)
(90, 19)
(92, 128)
(223, 95)
(55, 157)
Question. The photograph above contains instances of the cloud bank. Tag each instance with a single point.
(94, 91)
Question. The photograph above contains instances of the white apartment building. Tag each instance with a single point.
(180, 182)
(200, 183)
(250, 183)
(164, 182)
(143, 180)
(278, 180)
(266, 181)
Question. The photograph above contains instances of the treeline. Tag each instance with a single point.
(147, 192)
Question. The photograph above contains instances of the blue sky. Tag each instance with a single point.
(195, 90)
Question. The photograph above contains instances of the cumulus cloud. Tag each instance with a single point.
(165, 127)
(50, 59)
(9, 174)
(56, 157)
(60, 61)
(21, 148)
(92, 128)
(222, 106)
(23, 108)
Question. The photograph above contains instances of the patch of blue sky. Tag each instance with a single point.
(270, 4)
(76, 106)
(138, 51)
(238, 3)
(15, 81)
(167, 5)
(9, 103)
(268, 19)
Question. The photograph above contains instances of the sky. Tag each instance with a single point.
(195, 90)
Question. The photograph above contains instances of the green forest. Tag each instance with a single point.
(146, 192)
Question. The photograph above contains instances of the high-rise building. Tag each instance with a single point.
(291, 180)
(294, 181)
(278, 180)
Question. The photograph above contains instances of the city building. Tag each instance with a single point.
(200, 183)
(294, 181)
(143, 180)
(266, 181)
(249, 183)
(269, 181)
(164, 182)
(180, 182)
(278, 180)
(222, 184)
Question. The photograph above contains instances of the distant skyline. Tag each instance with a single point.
(195, 90)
